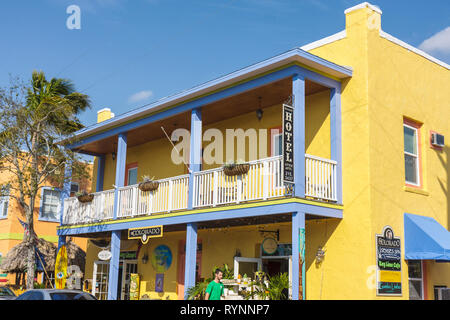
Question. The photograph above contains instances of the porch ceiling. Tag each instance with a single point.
(246, 102)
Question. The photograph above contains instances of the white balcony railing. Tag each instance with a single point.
(211, 188)
(320, 178)
(172, 194)
(262, 181)
(101, 208)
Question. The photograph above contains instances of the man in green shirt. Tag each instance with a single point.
(215, 288)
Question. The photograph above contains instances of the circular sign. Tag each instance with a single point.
(161, 258)
(269, 245)
(104, 255)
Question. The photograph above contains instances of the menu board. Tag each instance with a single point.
(389, 266)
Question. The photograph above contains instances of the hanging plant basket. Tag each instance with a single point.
(84, 198)
(236, 169)
(148, 185)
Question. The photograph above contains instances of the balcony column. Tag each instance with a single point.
(65, 193)
(191, 257)
(121, 159)
(298, 256)
(195, 152)
(336, 137)
(298, 94)
(114, 265)
(100, 173)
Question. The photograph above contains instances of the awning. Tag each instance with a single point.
(425, 239)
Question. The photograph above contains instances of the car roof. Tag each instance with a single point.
(59, 290)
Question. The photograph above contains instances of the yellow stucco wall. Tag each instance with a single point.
(389, 83)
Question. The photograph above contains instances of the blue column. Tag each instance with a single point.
(195, 153)
(121, 161)
(115, 235)
(336, 137)
(298, 93)
(191, 257)
(65, 193)
(100, 173)
(114, 265)
(298, 255)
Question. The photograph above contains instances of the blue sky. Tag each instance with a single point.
(131, 52)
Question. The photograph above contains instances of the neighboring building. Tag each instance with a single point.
(46, 219)
(369, 207)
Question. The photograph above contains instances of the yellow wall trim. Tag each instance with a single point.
(415, 190)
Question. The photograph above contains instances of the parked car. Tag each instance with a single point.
(55, 294)
(7, 294)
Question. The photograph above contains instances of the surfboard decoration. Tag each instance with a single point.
(61, 268)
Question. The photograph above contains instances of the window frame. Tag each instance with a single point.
(416, 127)
(41, 205)
(129, 167)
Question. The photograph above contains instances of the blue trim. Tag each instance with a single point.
(298, 223)
(298, 93)
(61, 205)
(114, 265)
(184, 107)
(195, 154)
(100, 173)
(121, 162)
(336, 137)
(191, 257)
(210, 216)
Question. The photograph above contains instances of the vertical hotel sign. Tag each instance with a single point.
(389, 266)
(288, 144)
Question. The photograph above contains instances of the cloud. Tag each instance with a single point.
(440, 42)
(140, 96)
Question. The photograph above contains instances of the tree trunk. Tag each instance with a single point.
(30, 244)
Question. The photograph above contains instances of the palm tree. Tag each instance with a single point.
(31, 120)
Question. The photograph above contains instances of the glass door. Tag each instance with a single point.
(129, 267)
(100, 280)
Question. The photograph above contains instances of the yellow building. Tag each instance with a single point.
(361, 212)
(46, 219)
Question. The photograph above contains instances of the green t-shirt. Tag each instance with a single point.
(215, 290)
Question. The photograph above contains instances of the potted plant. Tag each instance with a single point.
(232, 168)
(84, 197)
(148, 184)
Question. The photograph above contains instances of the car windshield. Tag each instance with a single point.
(5, 291)
(70, 296)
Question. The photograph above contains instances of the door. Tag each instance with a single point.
(129, 267)
(100, 280)
(181, 266)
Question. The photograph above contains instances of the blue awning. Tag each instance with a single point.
(425, 239)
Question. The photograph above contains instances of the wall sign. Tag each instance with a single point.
(104, 255)
(288, 144)
(159, 282)
(389, 264)
(269, 245)
(145, 233)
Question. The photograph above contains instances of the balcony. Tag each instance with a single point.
(211, 188)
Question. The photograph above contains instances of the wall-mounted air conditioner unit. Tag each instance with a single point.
(437, 139)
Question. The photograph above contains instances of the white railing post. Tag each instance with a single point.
(169, 205)
(239, 188)
(215, 187)
(265, 180)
